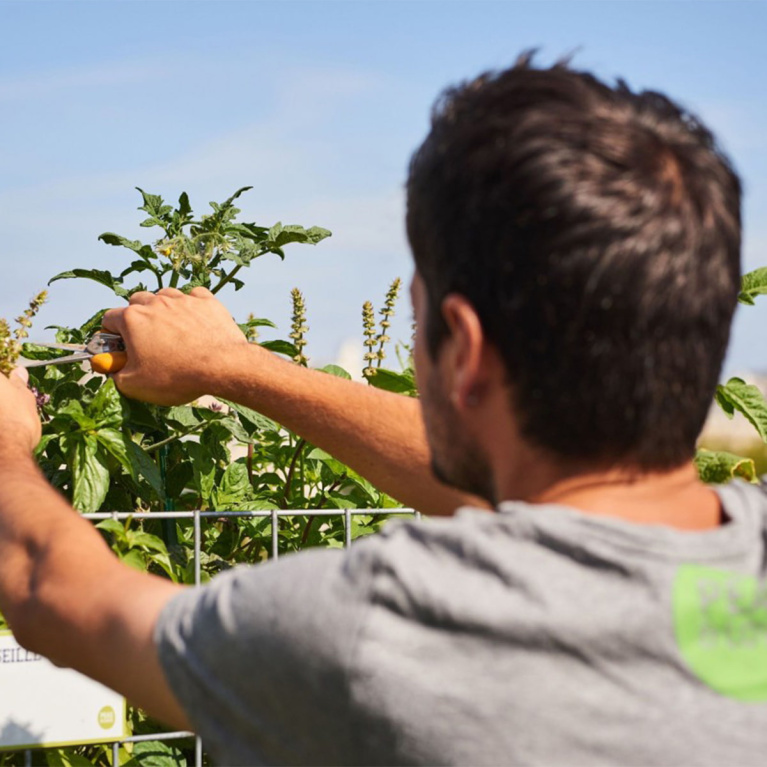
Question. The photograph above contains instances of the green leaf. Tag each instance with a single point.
(236, 429)
(155, 207)
(184, 208)
(334, 465)
(235, 479)
(64, 392)
(747, 399)
(182, 417)
(177, 479)
(163, 560)
(234, 487)
(251, 232)
(138, 247)
(108, 407)
(317, 234)
(203, 468)
(115, 528)
(43, 443)
(753, 284)
(717, 467)
(280, 236)
(66, 757)
(155, 753)
(146, 541)
(142, 417)
(228, 204)
(255, 323)
(136, 266)
(90, 476)
(97, 275)
(143, 465)
(336, 370)
(250, 419)
(198, 281)
(214, 438)
(401, 383)
(140, 288)
(92, 324)
(116, 444)
(136, 559)
(73, 410)
(281, 347)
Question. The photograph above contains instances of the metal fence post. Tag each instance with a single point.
(197, 548)
(275, 534)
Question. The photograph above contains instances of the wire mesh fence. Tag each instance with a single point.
(198, 519)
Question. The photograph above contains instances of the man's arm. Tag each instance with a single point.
(181, 347)
(62, 591)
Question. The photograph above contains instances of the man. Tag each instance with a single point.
(577, 266)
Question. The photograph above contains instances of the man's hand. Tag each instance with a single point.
(175, 343)
(21, 429)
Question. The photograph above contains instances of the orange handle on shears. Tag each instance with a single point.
(108, 362)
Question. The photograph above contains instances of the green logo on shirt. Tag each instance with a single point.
(720, 621)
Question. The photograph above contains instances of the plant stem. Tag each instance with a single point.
(286, 495)
(168, 440)
(174, 279)
(226, 278)
(320, 505)
(169, 531)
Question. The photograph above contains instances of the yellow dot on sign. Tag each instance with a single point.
(107, 717)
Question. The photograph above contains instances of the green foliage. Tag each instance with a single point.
(738, 396)
(207, 251)
(754, 284)
(401, 383)
(718, 466)
(108, 453)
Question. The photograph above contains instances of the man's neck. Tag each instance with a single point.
(675, 498)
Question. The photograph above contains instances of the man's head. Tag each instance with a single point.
(596, 232)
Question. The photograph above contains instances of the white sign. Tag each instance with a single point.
(43, 705)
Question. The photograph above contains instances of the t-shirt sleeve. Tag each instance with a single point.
(259, 658)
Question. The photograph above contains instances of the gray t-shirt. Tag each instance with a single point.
(538, 635)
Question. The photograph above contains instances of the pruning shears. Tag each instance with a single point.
(104, 351)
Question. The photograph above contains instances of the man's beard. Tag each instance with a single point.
(456, 459)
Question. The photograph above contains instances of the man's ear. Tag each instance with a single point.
(464, 352)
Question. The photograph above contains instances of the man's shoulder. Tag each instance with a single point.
(740, 498)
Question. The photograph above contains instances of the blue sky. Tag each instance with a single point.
(318, 105)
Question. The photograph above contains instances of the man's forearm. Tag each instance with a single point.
(180, 347)
(48, 555)
(66, 596)
(377, 433)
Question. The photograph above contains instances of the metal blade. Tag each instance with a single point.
(58, 361)
(63, 347)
